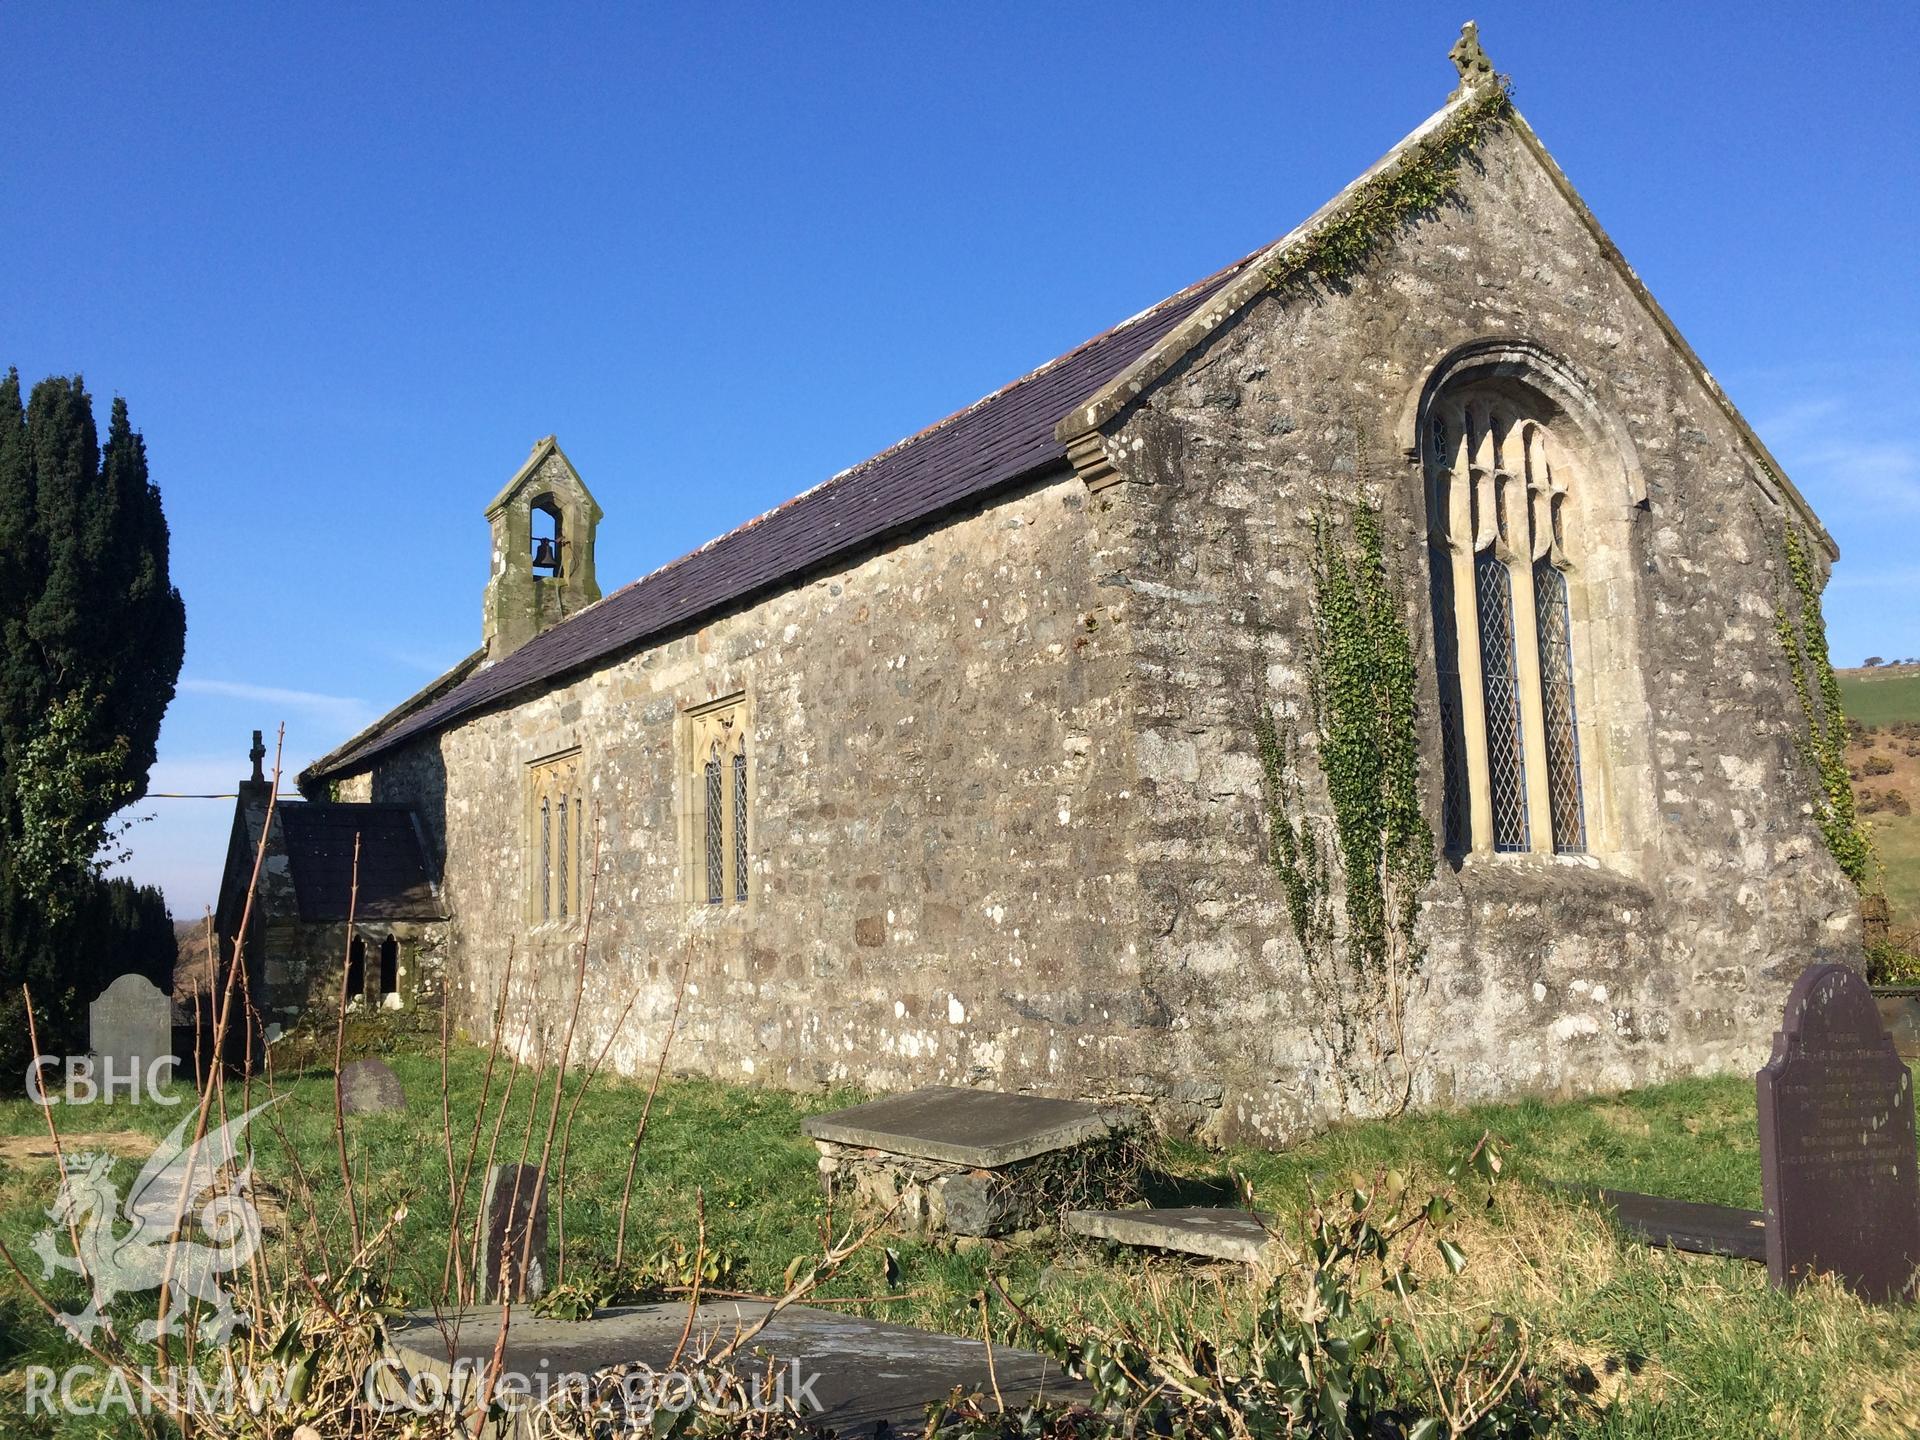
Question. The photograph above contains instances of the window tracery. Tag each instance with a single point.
(1504, 637)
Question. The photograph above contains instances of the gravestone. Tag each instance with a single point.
(130, 1028)
(1837, 1157)
(976, 1162)
(513, 1233)
(369, 1087)
(852, 1376)
(1209, 1231)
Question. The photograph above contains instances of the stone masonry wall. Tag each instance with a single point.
(939, 878)
(1670, 955)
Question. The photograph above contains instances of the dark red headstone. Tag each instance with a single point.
(1837, 1156)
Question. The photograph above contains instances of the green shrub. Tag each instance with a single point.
(1893, 961)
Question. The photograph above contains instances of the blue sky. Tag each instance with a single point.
(348, 263)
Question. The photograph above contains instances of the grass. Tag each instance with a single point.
(1690, 1346)
(1889, 696)
(1882, 698)
(1896, 841)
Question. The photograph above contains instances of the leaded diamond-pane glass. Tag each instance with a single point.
(563, 857)
(1506, 754)
(1454, 809)
(716, 835)
(739, 827)
(1557, 703)
(546, 861)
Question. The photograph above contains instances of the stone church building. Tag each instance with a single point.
(950, 770)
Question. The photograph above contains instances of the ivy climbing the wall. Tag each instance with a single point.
(1375, 849)
(1803, 635)
(1419, 184)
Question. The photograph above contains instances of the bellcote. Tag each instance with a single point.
(543, 524)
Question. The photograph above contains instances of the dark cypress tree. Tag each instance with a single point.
(92, 633)
(20, 563)
(146, 633)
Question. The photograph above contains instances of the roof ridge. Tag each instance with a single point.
(855, 470)
(906, 490)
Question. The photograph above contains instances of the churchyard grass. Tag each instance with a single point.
(1678, 1345)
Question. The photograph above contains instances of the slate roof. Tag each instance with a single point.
(1011, 436)
(992, 445)
(396, 882)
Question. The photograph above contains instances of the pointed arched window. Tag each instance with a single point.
(716, 830)
(557, 852)
(719, 797)
(1503, 626)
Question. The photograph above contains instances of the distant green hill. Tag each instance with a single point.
(1882, 697)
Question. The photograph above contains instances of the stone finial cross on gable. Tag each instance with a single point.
(1470, 60)
(257, 754)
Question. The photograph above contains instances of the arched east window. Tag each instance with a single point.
(356, 967)
(1498, 486)
(389, 966)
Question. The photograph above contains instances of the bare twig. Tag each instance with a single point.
(829, 1264)
(986, 1335)
(699, 1273)
(566, 1127)
(216, 1081)
(446, 1119)
(53, 1131)
(555, 1199)
(646, 1110)
(493, 1147)
(339, 1042)
(451, 1272)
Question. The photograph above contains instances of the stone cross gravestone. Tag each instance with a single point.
(1837, 1158)
(369, 1087)
(130, 1027)
(513, 1233)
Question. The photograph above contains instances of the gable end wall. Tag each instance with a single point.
(1545, 974)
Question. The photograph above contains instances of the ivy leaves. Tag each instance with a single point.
(1418, 185)
(1368, 861)
(1803, 635)
(1364, 686)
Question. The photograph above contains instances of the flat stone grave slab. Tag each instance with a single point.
(1837, 1154)
(868, 1375)
(1213, 1232)
(1682, 1224)
(984, 1129)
